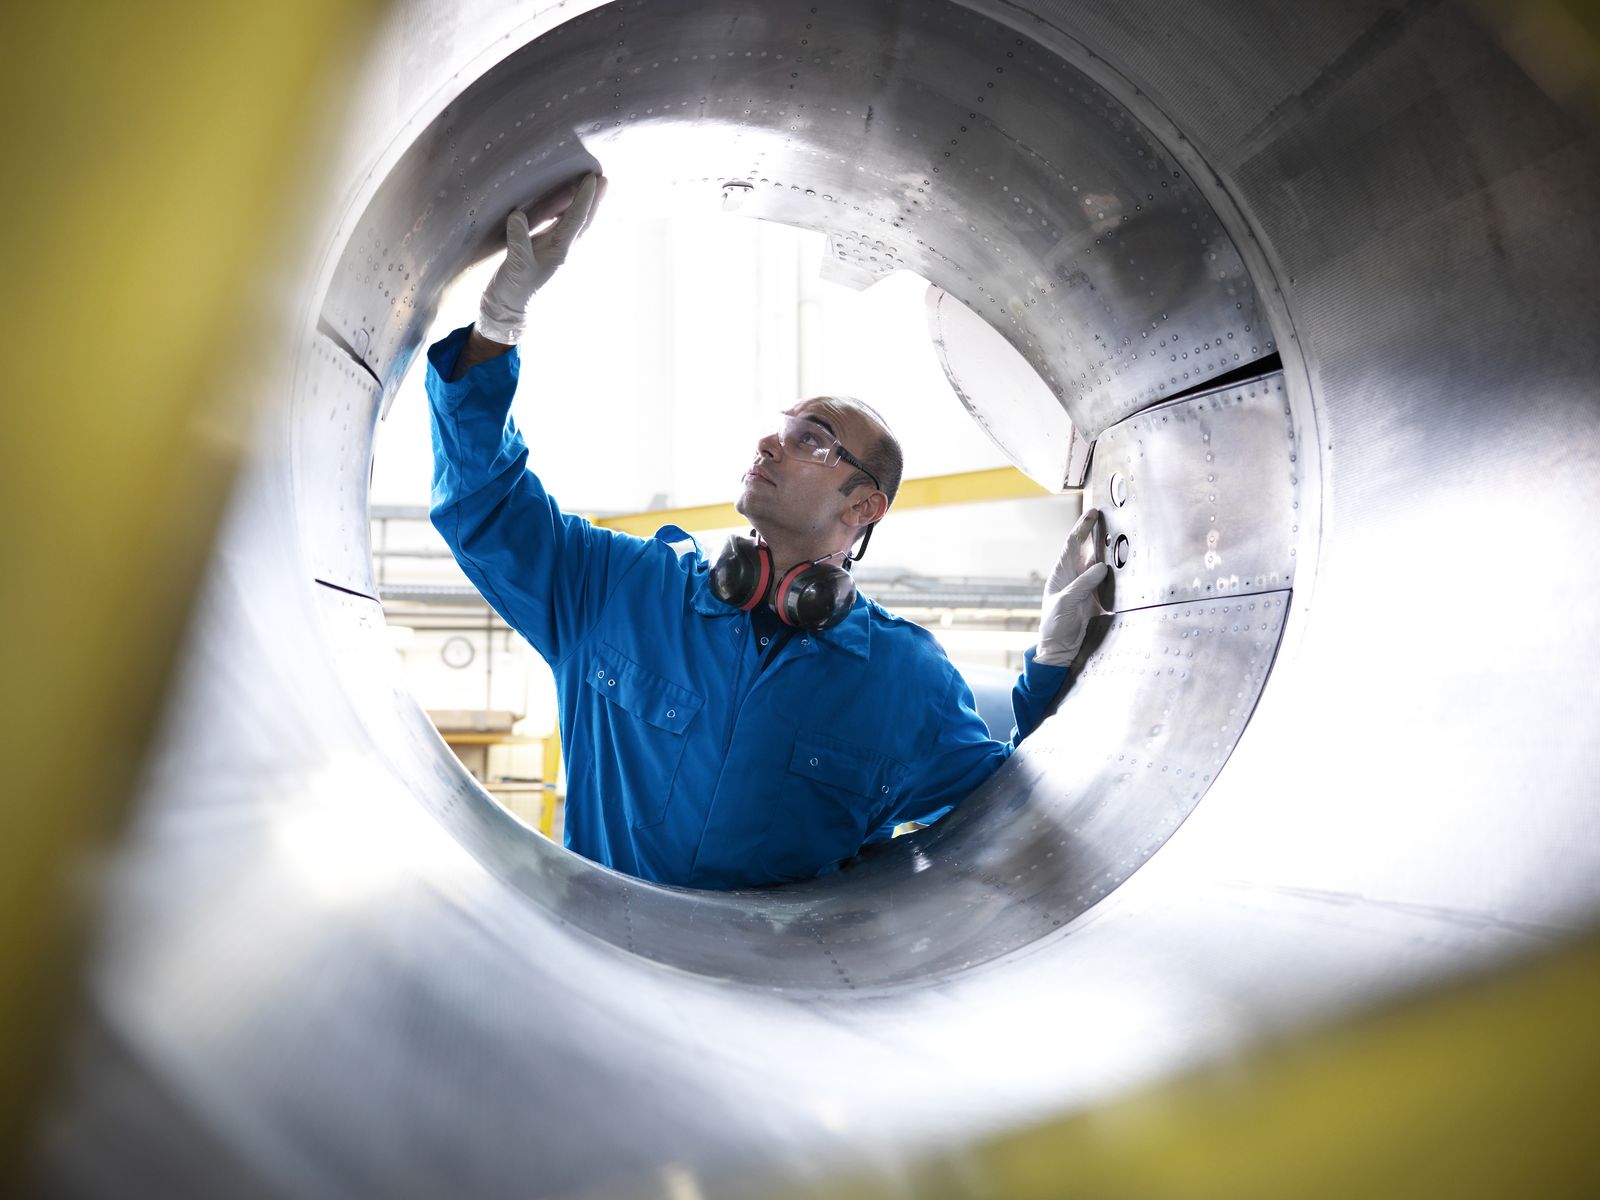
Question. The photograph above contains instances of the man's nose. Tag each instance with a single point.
(770, 446)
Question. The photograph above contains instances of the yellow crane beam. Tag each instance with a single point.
(962, 487)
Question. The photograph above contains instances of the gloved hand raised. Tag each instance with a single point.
(532, 259)
(1069, 599)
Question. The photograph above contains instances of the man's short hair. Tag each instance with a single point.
(883, 457)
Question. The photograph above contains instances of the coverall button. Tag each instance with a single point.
(611, 683)
(813, 762)
(599, 674)
(672, 712)
(763, 641)
(884, 789)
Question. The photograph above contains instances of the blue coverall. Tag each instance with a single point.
(688, 762)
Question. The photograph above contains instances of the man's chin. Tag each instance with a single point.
(752, 510)
(748, 505)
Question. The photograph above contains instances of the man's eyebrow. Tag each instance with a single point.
(820, 421)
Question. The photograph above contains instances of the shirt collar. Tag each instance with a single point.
(854, 633)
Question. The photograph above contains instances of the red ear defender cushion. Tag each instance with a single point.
(781, 600)
(758, 593)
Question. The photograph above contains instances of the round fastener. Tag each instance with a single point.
(672, 712)
(599, 674)
(611, 683)
(884, 789)
(813, 762)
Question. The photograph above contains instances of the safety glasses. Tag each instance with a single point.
(810, 441)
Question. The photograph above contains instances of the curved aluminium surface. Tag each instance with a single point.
(331, 967)
(990, 881)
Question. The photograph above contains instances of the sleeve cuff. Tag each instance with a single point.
(446, 352)
(1042, 676)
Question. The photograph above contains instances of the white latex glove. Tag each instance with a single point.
(532, 259)
(1069, 599)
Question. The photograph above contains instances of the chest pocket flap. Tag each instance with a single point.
(652, 698)
(841, 764)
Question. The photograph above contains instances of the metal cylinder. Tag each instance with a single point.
(1320, 287)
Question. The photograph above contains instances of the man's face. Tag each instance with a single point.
(787, 495)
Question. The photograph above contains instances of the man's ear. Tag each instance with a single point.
(870, 508)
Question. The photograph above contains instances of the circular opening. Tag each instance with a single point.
(992, 876)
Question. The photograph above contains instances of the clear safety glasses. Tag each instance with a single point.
(807, 440)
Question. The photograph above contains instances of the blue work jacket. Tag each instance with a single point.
(687, 762)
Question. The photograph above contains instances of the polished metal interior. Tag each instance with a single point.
(1317, 284)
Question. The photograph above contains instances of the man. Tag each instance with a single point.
(730, 725)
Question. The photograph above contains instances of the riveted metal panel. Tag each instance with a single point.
(1200, 497)
(947, 145)
(335, 415)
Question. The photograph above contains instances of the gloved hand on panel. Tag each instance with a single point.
(1069, 600)
(533, 257)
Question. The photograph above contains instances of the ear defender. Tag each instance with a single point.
(815, 596)
(742, 572)
(811, 595)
